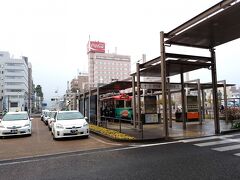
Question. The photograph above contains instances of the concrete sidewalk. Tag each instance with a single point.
(155, 131)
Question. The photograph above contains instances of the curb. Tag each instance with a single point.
(230, 131)
(132, 140)
(110, 138)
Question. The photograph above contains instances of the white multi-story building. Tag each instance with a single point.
(14, 82)
(105, 67)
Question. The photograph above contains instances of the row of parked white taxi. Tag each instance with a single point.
(65, 123)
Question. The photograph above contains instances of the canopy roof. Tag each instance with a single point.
(175, 64)
(122, 85)
(213, 31)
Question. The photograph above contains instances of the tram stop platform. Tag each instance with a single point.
(154, 132)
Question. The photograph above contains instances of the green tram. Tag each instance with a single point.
(117, 106)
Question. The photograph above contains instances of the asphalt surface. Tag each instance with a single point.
(41, 143)
(176, 160)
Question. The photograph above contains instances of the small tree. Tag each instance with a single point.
(39, 95)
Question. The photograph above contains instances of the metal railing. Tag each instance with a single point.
(113, 123)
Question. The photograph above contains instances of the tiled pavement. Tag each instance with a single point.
(155, 131)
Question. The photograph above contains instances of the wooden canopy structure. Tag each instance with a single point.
(215, 26)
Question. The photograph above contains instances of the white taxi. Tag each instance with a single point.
(15, 123)
(69, 124)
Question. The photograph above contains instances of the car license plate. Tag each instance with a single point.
(14, 131)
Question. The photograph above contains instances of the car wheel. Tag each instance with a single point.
(54, 137)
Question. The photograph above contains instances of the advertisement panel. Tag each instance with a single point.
(96, 46)
(124, 113)
(151, 118)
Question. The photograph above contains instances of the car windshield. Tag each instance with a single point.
(15, 117)
(69, 115)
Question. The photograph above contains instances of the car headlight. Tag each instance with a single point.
(85, 124)
(26, 125)
(59, 126)
(1, 126)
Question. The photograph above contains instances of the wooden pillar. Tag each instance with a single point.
(138, 97)
(89, 104)
(203, 104)
(184, 117)
(164, 89)
(225, 99)
(169, 103)
(84, 99)
(98, 106)
(199, 101)
(134, 102)
(215, 96)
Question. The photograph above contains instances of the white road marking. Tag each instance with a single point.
(206, 138)
(212, 143)
(227, 148)
(237, 154)
(155, 144)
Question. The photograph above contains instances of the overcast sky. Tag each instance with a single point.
(53, 34)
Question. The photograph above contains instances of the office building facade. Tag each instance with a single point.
(14, 83)
(106, 67)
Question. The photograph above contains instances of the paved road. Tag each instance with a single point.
(190, 159)
(41, 143)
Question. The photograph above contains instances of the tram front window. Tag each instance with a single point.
(120, 104)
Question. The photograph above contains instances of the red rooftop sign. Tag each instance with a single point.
(96, 46)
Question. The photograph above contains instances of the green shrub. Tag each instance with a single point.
(110, 133)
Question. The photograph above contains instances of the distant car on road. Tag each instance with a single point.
(50, 120)
(69, 124)
(43, 113)
(46, 115)
(15, 123)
